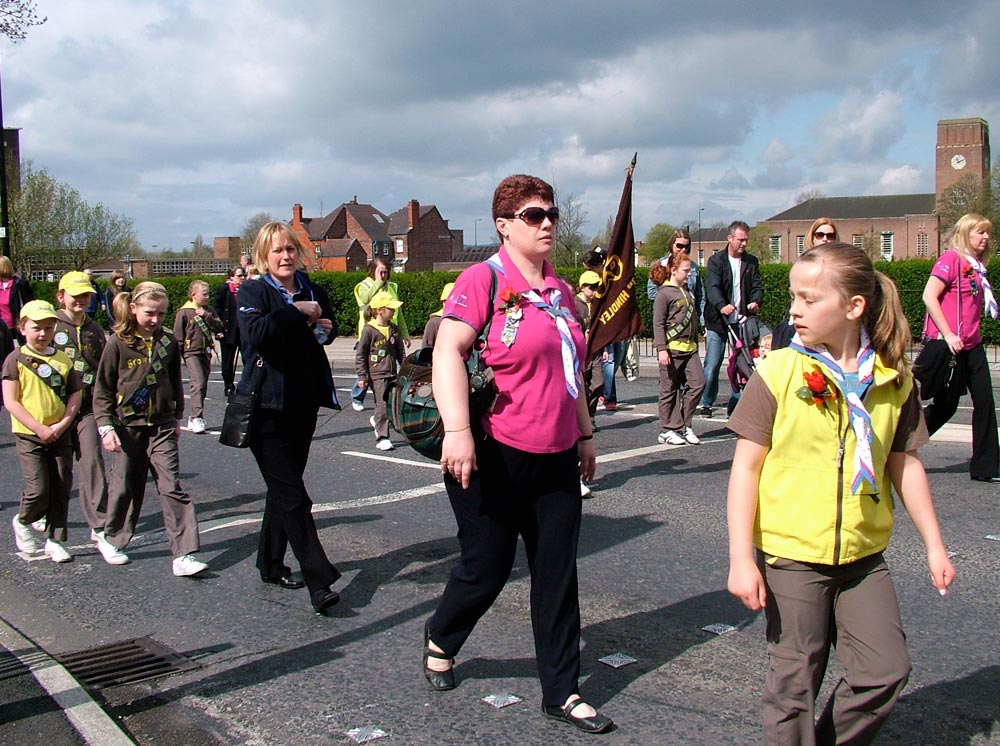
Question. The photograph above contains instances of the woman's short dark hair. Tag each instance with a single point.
(514, 191)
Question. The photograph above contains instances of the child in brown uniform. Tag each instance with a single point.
(138, 402)
(195, 328)
(83, 341)
(42, 393)
(380, 351)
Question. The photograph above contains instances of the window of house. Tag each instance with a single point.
(887, 245)
(923, 245)
(774, 243)
(858, 239)
(319, 252)
(800, 244)
(385, 250)
(399, 246)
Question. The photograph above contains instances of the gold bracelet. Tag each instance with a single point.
(467, 427)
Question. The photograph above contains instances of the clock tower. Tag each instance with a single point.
(963, 148)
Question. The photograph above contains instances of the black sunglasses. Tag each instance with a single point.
(684, 246)
(822, 234)
(536, 215)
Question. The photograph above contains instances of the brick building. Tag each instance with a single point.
(896, 226)
(345, 240)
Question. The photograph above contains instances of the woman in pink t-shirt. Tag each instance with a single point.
(956, 295)
(516, 469)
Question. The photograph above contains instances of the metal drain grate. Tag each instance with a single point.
(124, 663)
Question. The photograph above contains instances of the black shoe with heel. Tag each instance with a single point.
(441, 681)
(597, 723)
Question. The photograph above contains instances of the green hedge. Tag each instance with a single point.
(420, 292)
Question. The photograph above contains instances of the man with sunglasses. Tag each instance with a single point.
(735, 289)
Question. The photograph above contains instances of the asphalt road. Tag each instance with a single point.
(652, 574)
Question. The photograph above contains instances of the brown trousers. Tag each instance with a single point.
(199, 368)
(91, 483)
(681, 384)
(379, 385)
(148, 448)
(809, 608)
(48, 479)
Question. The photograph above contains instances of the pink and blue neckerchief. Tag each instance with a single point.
(989, 301)
(861, 421)
(558, 314)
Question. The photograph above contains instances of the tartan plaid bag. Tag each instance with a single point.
(410, 398)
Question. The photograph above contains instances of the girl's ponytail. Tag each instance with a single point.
(886, 323)
(125, 325)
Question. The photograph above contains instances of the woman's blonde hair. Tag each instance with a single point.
(6, 268)
(195, 286)
(851, 273)
(265, 237)
(959, 236)
(125, 327)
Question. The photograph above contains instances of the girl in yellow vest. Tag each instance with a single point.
(827, 427)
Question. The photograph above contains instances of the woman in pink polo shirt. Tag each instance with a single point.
(956, 295)
(516, 469)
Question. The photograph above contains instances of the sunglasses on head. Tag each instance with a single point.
(823, 234)
(536, 215)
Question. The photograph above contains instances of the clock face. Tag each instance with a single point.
(958, 162)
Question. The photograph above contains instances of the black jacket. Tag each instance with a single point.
(719, 288)
(295, 372)
(224, 304)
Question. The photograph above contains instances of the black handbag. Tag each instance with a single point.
(934, 368)
(237, 424)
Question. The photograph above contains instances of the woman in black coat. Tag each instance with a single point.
(224, 304)
(284, 321)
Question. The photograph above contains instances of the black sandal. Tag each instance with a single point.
(597, 723)
(441, 681)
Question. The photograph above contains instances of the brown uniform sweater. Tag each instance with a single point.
(125, 371)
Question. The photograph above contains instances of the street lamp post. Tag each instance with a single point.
(700, 211)
(476, 229)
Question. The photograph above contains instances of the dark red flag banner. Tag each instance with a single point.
(615, 313)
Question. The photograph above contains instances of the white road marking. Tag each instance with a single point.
(394, 459)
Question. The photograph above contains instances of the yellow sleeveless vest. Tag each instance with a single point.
(805, 509)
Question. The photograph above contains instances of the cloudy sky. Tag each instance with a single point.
(190, 117)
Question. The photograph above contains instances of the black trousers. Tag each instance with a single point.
(228, 362)
(972, 373)
(280, 443)
(536, 496)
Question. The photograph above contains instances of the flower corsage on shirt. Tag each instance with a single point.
(511, 301)
(816, 391)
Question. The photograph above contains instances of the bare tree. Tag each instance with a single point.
(16, 17)
(807, 194)
(569, 240)
(252, 227)
(968, 194)
(604, 237)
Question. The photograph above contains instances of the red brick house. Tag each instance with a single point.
(349, 237)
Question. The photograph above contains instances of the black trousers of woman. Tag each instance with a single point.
(228, 363)
(536, 496)
(972, 372)
(280, 443)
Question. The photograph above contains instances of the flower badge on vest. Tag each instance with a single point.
(816, 391)
(970, 274)
(514, 314)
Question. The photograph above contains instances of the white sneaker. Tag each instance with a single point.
(57, 552)
(196, 424)
(384, 444)
(690, 437)
(112, 554)
(40, 525)
(357, 407)
(96, 535)
(671, 437)
(187, 565)
(585, 491)
(371, 421)
(23, 537)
